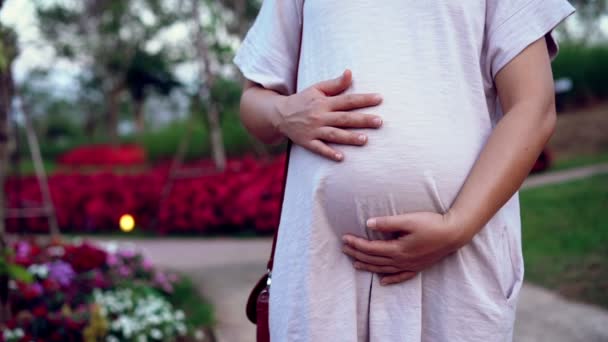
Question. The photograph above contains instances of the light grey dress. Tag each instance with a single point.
(434, 62)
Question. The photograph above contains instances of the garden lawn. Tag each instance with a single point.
(579, 161)
(565, 238)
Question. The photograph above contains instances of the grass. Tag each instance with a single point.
(199, 312)
(579, 161)
(565, 238)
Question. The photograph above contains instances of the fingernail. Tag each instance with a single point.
(371, 223)
(357, 265)
(377, 121)
(383, 282)
(377, 97)
(362, 138)
(345, 239)
(339, 156)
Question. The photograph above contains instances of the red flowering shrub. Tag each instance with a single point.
(246, 195)
(103, 155)
(84, 257)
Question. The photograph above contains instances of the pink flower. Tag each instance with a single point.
(126, 253)
(147, 264)
(112, 260)
(124, 271)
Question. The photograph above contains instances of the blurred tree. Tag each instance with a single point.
(244, 12)
(590, 13)
(54, 116)
(104, 38)
(8, 52)
(145, 73)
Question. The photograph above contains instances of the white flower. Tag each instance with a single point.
(109, 246)
(8, 334)
(181, 329)
(156, 334)
(179, 315)
(142, 338)
(112, 338)
(198, 335)
(18, 333)
(39, 270)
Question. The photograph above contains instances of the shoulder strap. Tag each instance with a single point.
(276, 231)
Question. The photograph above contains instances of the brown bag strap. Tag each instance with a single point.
(276, 231)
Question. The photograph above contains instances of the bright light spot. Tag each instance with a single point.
(127, 223)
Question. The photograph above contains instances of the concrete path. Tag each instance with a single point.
(564, 175)
(226, 269)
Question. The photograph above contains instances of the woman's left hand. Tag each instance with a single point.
(424, 239)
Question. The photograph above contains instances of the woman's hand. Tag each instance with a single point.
(424, 239)
(319, 114)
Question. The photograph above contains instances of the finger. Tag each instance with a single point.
(389, 224)
(352, 120)
(375, 268)
(385, 248)
(340, 136)
(369, 259)
(336, 85)
(353, 101)
(397, 278)
(319, 147)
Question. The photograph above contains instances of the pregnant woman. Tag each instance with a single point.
(414, 124)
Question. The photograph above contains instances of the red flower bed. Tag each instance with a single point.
(245, 196)
(105, 155)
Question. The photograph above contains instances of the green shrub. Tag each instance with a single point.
(587, 67)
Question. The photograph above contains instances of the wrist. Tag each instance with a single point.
(277, 117)
(460, 226)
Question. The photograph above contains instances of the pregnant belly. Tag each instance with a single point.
(398, 171)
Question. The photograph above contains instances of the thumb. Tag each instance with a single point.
(336, 85)
(389, 224)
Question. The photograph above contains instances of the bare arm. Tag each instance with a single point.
(525, 89)
(310, 118)
(259, 113)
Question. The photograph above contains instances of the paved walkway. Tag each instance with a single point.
(564, 175)
(226, 269)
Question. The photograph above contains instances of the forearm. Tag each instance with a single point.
(503, 164)
(259, 113)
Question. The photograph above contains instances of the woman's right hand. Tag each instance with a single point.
(320, 114)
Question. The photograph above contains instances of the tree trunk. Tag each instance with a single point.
(6, 99)
(138, 105)
(112, 113)
(213, 116)
(5, 103)
(7, 54)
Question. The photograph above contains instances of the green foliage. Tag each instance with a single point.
(147, 72)
(565, 237)
(185, 296)
(163, 143)
(13, 271)
(587, 67)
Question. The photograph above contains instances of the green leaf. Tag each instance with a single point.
(19, 273)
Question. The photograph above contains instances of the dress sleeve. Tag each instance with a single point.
(269, 53)
(512, 25)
